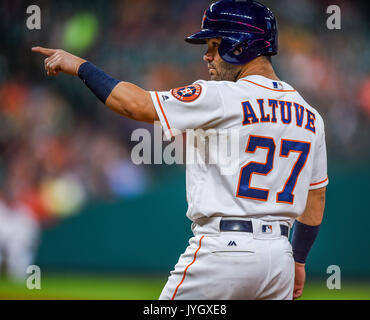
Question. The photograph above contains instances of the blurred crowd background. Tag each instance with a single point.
(61, 149)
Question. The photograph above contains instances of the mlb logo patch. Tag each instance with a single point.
(277, 85)
(267, 228)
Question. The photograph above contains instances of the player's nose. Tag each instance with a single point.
(208, 57)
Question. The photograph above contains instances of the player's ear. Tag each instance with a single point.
(238, 51)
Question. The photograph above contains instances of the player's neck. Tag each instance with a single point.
(259, 66)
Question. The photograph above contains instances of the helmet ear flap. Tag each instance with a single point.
(232, 52)
(240, 53)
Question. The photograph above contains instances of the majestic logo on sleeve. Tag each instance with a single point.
(188, 93)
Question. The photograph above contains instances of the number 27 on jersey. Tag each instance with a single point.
(285, 195)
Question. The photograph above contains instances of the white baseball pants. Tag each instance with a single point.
(233, 265)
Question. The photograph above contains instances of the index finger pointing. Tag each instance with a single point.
(45, 51)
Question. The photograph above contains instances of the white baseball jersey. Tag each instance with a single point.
(282, 151)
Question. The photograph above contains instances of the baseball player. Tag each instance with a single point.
(241, 221)
(19, 236)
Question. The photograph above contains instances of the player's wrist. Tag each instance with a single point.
(299, 265)
(78, 66)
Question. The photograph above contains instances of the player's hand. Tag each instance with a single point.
(59, 61)
(299, 279)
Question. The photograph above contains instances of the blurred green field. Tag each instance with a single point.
(78, 286)
(144, 287)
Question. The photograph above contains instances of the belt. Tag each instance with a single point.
(246, 226)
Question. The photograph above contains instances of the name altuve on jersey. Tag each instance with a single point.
(268, 113)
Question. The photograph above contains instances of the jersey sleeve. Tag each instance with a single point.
(197, 106)
(319, 178)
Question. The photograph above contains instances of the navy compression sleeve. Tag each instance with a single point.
(303, 238)
(97, 80)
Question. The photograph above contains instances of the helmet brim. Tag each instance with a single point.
(201, 36)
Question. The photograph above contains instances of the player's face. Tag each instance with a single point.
(219, 69)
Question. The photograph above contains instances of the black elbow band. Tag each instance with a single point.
(97, 80)
(303, 238)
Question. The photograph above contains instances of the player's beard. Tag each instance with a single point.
(226, 72)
